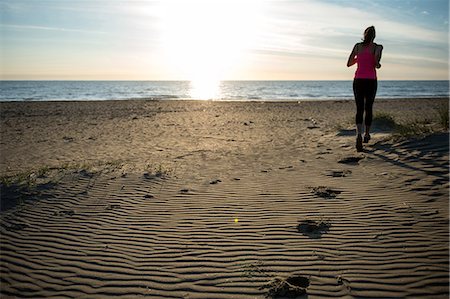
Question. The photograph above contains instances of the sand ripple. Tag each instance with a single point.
(227, 223)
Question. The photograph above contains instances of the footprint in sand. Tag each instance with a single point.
(325, 192)
(147, 175)
(113, 207)
(16, 226)
(350, 160)
(66, 213)
(291, 287)
(327, 152)
(286, 167)
(68, 139)
(313, 229)
(85, 173)
(343, 281)
(339, 173)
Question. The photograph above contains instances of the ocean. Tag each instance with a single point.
(227, 90)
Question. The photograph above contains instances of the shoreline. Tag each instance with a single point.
(229, 100)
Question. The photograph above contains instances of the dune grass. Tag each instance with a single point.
(415, 128)
(384, 120)
(443, 113)
(158, 170)
(47, 173)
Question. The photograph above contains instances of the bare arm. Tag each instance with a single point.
(378, 51)
(352, 58)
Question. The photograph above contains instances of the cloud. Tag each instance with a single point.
(46, 28)
(313, 31)
(323, 28)
(295, 37)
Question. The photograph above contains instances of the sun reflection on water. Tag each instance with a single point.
(204, 89)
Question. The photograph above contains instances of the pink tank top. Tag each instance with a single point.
(366, 64)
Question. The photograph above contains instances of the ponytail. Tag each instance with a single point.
(369, 35)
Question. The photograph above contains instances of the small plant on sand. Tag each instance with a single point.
(412, 129)
(27, 178)
(43, 171)
(16, 189)
(74, 166)
(384, 120)
(18, 179)
(345, 125)
(443, 114)
(160, 171)
(94, 167)
(107, 166)
(157, 170)
(42, 175)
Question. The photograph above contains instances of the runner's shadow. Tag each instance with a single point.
(431, 151)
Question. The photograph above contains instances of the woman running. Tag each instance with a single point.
(367, 56)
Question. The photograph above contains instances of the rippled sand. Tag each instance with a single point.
(221, 200)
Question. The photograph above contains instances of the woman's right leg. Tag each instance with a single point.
(370, 92)
(358, 91)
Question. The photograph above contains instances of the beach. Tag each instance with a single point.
(211, 199)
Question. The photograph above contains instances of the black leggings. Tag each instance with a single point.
(364, 89)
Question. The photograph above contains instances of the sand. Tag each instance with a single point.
(190, 199)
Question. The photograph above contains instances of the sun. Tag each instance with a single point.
(205, 41)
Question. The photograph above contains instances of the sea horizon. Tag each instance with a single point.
(226, 90)
(225, 80)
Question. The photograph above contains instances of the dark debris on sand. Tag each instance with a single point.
(313, 229)
(291, 287)
(325, 192)
(350, 160)
(339, 173)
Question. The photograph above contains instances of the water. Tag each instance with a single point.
(227, 90)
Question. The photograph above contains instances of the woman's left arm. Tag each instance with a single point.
(378, 52)
(352, 58)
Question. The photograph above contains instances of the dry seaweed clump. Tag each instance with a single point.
(291, 287)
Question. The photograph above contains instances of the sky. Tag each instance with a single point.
(218, 39)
